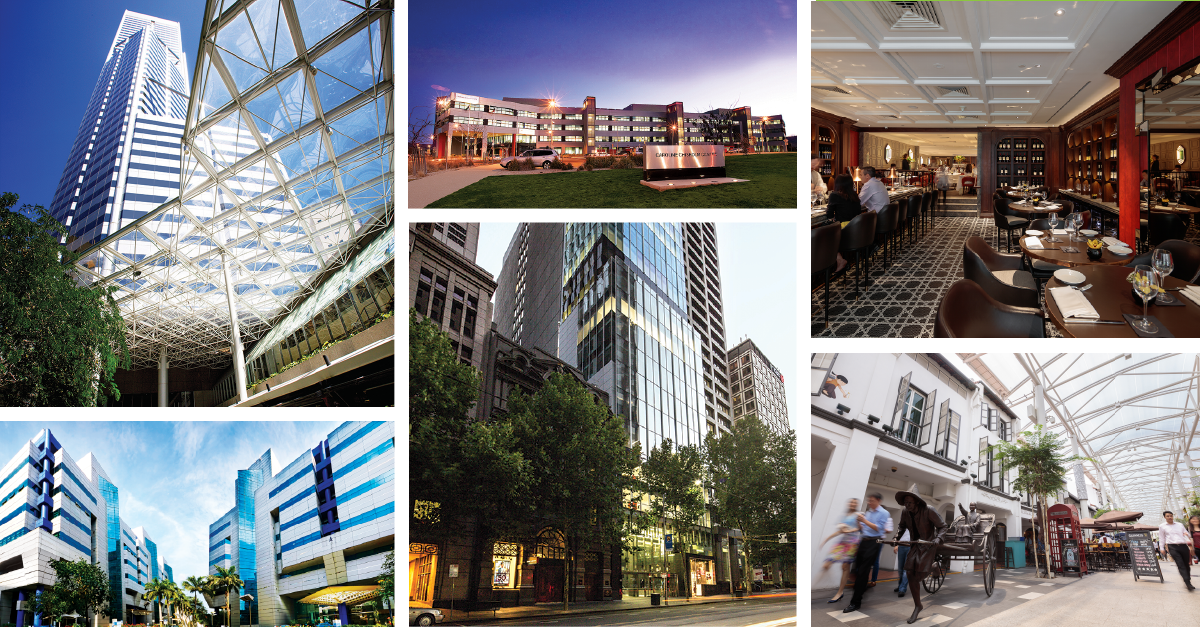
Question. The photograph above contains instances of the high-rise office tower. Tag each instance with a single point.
(125, 159)
(325, 525)
(757, 387)
(52, 507)
(528, 307)
(640, 314)
(707, 314)
(232, 539)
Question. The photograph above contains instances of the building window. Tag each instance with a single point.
(526, 114)
(985, 416)
(604, 117)
(909, 428)
(573, 116)
(641, 118)
(424, 285)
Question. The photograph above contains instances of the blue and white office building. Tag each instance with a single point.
(232, 539)
(325, 524)
(52, 507)
(125, 158)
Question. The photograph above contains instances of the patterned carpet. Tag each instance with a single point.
(902, 299)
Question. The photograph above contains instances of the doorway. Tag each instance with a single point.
(548, 580)
(593, 577)
(422, 565)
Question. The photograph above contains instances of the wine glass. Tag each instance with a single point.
(1145, 284)
(1074, 221)
(1164, 264)
(1053, 223)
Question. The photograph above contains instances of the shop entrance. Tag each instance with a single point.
(422, 567)
(549, 570)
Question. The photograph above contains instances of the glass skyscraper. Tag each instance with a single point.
(125, 159)
(232, 538)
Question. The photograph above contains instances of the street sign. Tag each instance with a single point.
(454, 570)
(667, 542)
(783, 538)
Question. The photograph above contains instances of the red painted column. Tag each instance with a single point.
(514, 146)
(1129, 173)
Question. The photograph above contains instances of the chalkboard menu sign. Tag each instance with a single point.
(1070, 550)
(1141, 555)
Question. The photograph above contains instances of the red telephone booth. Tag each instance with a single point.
(1067, 552)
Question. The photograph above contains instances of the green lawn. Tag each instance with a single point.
(772, 184)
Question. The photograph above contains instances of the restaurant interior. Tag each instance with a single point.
(1036, 169)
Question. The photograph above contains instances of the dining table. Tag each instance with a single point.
(1031, 209)
(1112, 297)
(1053, 252)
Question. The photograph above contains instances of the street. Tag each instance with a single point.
(771, 612)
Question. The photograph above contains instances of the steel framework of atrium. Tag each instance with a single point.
(286, 171)
(1135, 415)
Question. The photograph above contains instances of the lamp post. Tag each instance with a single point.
(550, 127)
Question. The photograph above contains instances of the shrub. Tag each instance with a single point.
(604, 161)
(517, 165)
(587, 166)
(623, 163)
(638, 160)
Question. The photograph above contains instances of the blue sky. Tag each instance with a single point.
(758, 284)
(704, 53)
(50, 58)
(175, 477)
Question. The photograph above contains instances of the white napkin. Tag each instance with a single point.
(1112, 241)
(1034, 243)
(1073, 304)
(1021, 203)
(1053, 206)
(1192, 293)
(1058, 231)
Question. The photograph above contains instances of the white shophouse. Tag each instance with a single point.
(883, 422)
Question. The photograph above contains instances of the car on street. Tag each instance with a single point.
(541, 157)
(425, 616)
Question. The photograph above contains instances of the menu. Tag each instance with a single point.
(1141, 555)
(1070, 551)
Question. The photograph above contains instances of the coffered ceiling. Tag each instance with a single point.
(969, 64)
(935, 144)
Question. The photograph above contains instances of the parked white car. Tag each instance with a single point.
(541, 157)
(425, 616)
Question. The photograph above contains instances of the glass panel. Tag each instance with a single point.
(362, 169)
(215, 94)
(270, 24)
(364, 300)
(344, 71)
(318, 18)
(335, 322)
(360, 126)
(350, 318)
(302, 156)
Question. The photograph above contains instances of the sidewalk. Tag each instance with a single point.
(437, 185)
(597, 607)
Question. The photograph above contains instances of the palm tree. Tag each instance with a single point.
(158, 590)
(228, 579)
(194, 584)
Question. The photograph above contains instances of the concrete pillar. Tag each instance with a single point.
(1039, 402)
(239, 360)
(344, 614)
(514, 146)
(37, 618)
(21, 609)
(1080, 482)
(163, 389)
(846, 477)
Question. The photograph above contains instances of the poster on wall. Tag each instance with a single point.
(502, 573)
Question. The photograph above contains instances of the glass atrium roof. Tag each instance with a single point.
(1136, 415)
(287, 168)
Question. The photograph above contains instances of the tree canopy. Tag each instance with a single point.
(752, 472)
(79, 587)
(60, 342)
(673, 478)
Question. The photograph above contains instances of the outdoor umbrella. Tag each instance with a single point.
(1089, 523)
(1117, 517)
(1135, 527)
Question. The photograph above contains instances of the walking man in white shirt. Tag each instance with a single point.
(1175, 540)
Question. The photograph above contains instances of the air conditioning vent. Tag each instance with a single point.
(960, 90)
(910, 15)
(836, 90)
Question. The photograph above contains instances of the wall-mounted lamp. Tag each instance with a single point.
(872, 418)
(842, 409)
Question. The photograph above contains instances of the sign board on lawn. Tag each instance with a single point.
(1142, 557)
(682, 161)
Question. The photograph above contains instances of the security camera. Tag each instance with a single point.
(894, 469)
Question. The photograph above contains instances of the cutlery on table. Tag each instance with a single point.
(1084, 321)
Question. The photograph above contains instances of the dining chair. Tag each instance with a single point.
(1002, 276)
(857, 237)
(967, 311)
(825, 241)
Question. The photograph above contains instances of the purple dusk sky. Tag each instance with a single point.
(704, 53)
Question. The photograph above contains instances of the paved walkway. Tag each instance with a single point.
(427, 189)
(593, 607)
(1109, 599)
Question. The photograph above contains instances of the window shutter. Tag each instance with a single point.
(940, 446)
(927, 419)
(992, 419)
(982, 468)
(900, 397)
(952, 436)
(997, 481)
